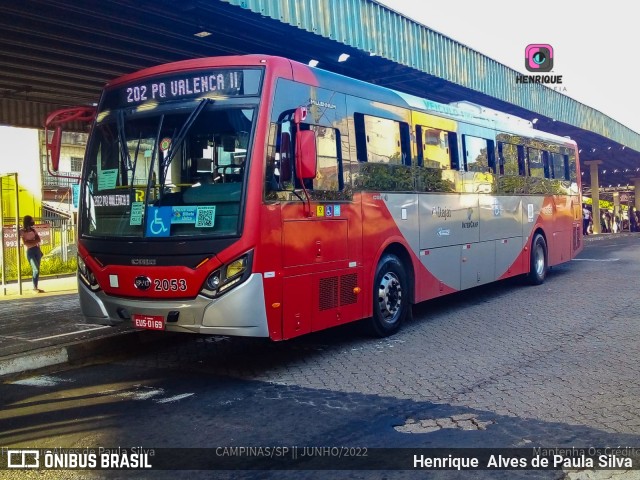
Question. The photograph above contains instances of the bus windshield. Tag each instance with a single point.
(172, 174)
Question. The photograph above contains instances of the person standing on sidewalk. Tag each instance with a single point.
(31, 242)
(586, 219)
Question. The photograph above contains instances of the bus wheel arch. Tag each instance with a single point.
(538, 259)
(392, 291)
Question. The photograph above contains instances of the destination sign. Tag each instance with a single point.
(208, 83)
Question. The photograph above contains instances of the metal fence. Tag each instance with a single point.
(58, 245)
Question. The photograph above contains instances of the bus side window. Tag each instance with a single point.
(536, 166)
(508, 159)
(383, 147)
(386, 141)
(329, 175)
(477, 154)
(560, 166)
(433, 148)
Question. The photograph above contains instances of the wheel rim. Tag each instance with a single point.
(539, 260)
(389, 297)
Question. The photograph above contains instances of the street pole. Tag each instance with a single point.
(4, 263)
(18, 236)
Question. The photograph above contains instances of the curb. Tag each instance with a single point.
(78, 354)
(595, 237)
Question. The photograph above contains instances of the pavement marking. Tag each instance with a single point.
(139, 392)
(175, 398)
(596, 260)
(70, 333)
(41, 381)
(13, 337)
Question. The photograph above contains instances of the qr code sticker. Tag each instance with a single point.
(205, 216)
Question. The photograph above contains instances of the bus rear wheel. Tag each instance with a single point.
(390, 296)
(538, 264)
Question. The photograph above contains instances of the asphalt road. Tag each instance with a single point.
(500, 366)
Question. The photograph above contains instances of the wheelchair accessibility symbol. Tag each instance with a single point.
(159, 221)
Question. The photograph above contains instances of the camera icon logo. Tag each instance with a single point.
(538, 57)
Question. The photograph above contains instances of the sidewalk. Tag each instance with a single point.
(57, 285)
(42, 332)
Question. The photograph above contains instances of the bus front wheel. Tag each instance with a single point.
(538, 265)
(390, 296)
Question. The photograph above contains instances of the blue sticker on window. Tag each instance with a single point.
(183, 214)
(158, 221)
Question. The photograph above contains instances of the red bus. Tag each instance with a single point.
(257, 196)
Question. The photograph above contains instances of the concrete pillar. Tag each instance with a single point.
(595, 193)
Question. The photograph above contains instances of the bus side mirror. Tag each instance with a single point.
(300, 115)
(56, 120)
(306, 154)
(54, 148)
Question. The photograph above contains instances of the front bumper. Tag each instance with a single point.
(239, 312)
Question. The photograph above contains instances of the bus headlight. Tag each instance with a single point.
(86, 275)
(228, 276)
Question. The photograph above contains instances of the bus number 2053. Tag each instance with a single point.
(170, 285)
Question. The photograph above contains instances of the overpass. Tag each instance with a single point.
(56, 53)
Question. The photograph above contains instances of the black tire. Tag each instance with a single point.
(538, 264)
(390, 297)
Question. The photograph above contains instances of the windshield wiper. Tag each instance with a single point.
(177, 141)
(122, 140)
(154, 152)
(133, 167)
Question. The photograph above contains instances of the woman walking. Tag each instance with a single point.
(31, 242)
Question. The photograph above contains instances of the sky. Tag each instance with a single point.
(596, 44)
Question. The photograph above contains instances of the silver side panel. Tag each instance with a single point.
(241, 312)
(450, 219)
(404, 210)
(500, 217)
(465, 239)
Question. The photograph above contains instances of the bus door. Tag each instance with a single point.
(320, 240)
(481, 230)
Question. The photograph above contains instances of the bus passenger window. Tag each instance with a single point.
(560, 166)
(384, 154)
(536, 164)
(508, 154)
(476, 154)
(383, 140)
(435, 151)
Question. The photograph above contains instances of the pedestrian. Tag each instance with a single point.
(31, 242)
(586, 219)
(633, 225)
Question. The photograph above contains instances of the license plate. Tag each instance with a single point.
(149, 322)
